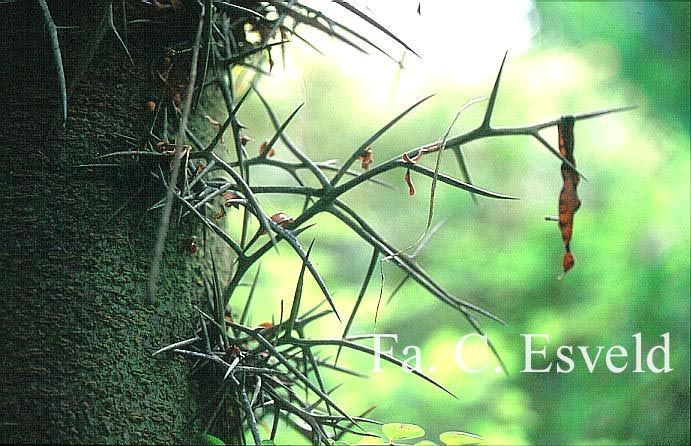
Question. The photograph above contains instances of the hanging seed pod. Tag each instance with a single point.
(409, 182)
(568, 197)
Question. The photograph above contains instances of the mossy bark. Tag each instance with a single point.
(78, 331)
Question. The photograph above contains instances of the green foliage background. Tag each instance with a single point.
(631, 237)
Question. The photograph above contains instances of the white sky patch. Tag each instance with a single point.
(459, 42)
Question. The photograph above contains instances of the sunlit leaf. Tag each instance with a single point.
(402, 431)
(458, 438)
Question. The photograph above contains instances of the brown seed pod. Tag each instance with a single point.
(366, 158)
(234, 351)
(281, 219)
(244, 139)
(262, 150)
(229, 196)
(409, 182)
(220, 214)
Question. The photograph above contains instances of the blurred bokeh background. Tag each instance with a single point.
(631, 235)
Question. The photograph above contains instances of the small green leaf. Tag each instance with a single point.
(402, 431)
(210, 439)
(456, 438)
(267, 442)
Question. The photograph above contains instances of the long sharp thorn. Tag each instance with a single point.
(493, 96)
(463, 165)
(246, 310)
(57, 59)
(280, 131)
(295, 308)
(176, 345)
(344, 168)
(227, 122)
(595, 114)
(347, 343)
(298, 374)
(398, 288)
(111, 22)
(478, 328)
(457, 183)
(374, 23)
(363, 289)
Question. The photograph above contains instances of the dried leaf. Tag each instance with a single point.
(220, 214)
(409, 182)
(568, 198)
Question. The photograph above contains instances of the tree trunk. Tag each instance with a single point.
(79, 332)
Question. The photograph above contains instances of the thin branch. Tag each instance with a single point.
(179, 143)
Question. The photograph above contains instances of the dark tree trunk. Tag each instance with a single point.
(78, 331)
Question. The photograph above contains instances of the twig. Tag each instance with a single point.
(179, 143)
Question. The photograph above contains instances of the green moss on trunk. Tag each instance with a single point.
(78, 333)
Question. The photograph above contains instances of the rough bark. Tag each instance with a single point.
(78, 332)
